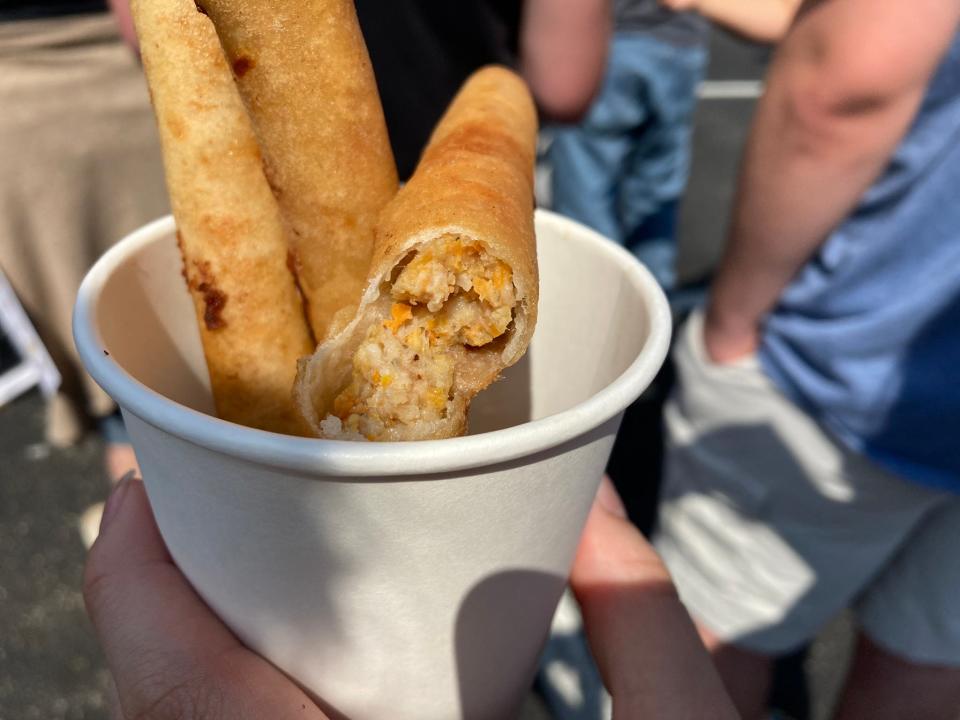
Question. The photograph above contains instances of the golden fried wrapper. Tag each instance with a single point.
(452, 292)
(230, 231)
(308, 84)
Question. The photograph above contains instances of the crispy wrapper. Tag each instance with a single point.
(305, 76)
(469, 201)
(230, 232)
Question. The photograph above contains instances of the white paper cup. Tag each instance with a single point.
(393, 580)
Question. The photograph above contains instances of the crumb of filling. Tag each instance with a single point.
(452, 294)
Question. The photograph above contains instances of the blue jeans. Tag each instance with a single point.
(624, 169)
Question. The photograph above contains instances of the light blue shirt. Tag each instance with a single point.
(867, 337)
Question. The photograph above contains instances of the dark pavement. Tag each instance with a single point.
(50, 667)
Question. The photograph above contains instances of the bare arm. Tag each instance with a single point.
(760, 20)
(646, 648)
(841, 93)
(563, 53)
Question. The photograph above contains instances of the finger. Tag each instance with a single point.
(645, 644)
(169, 654)
(612, 550)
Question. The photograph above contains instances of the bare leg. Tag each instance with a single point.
(882, 686)
(64, 424)
(746, 675)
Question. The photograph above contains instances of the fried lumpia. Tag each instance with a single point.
(305, 76)
(452, 294)
(231, 235)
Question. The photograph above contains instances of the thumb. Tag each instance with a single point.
(170, 656)
(646, 646)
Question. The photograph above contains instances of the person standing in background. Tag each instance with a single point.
(81, 168)
(422, 52)
(812, 461)
(624, 169)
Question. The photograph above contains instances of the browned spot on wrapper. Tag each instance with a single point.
(200, 8)
(214, 300)
(242, 65)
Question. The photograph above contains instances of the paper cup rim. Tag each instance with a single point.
(356, 459)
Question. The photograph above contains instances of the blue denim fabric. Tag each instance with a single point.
(624, 169)
(113, 431)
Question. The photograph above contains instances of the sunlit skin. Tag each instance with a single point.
(172, 659)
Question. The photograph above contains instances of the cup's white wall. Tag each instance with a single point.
(409, 598)
(412, 580)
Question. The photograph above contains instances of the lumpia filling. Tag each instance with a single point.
(450, 297)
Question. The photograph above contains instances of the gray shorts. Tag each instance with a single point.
(770, 527)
